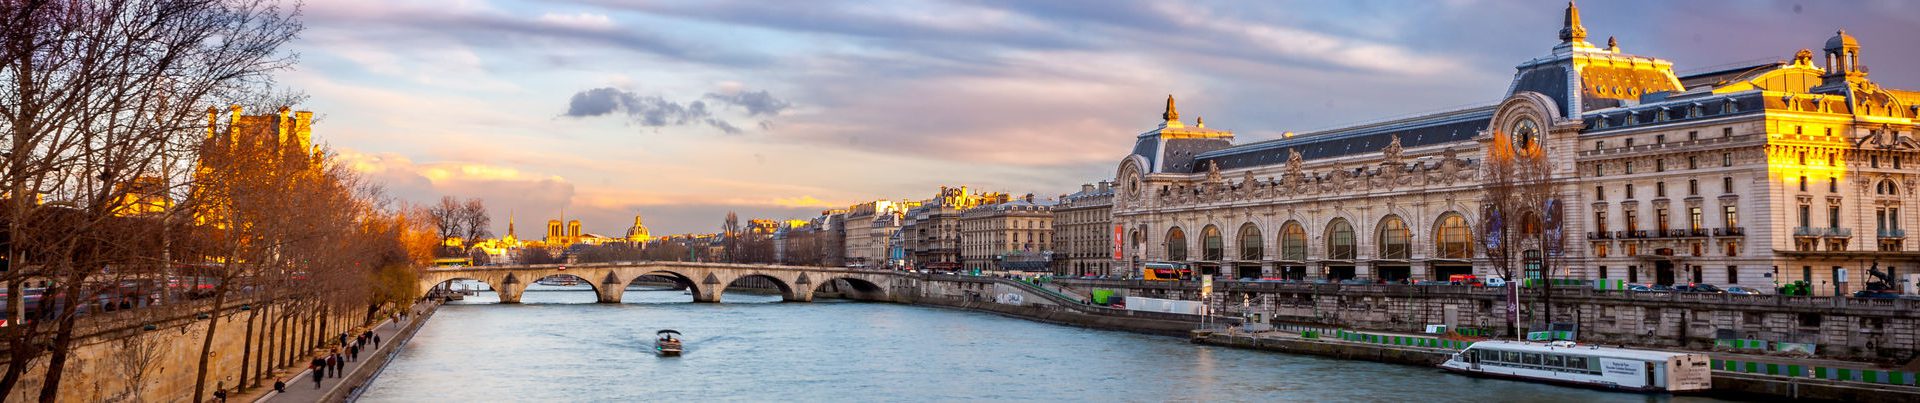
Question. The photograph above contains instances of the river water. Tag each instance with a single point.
(559, 346)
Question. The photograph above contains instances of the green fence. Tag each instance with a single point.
(1550, 335)
(1609, 284)
(1408, 341)
(1741, 344)
(1815, 372)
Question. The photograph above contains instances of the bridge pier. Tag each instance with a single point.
(706, 294)
(510, 292)
(798, 295)
(609, 294)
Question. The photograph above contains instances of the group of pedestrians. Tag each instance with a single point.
(335, 361)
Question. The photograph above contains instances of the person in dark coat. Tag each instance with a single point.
(339, 363)
(279, 386)
(376, 342)
(319, 373)
(354, 352)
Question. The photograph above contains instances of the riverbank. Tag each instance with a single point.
(358, 373)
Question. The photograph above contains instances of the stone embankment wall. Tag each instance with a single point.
(132, 364)
(1845, 328)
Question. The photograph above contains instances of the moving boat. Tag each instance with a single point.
(1566, 363)
(668, 343)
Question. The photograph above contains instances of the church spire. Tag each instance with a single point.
(1171, 114)
(1572, 31)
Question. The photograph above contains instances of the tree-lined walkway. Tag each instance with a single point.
(300, 385)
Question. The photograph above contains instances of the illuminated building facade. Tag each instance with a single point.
(930, 233)
(868, 226)
(1083, 231)
(1016, 235)
(1765, 174)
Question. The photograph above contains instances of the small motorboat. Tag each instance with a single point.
(667, 344)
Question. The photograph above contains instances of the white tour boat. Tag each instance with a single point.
(1566, 363)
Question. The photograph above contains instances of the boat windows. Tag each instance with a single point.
(1530, 358)
(1540, 361)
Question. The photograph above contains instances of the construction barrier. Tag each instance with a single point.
(1814, 372)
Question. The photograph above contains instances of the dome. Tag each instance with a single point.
(1841, 40)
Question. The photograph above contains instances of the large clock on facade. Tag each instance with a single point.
(1523, 134)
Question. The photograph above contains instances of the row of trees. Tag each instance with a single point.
(466, 220)
(120, 188)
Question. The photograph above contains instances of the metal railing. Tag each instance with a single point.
(1893, 233)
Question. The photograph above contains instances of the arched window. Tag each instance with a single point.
(1293, 242)
(1453, 239)
(1886, 187)
(1340, 239)
(1176, 244)
(1393, 238)
(1250, 248)
(1212, 247)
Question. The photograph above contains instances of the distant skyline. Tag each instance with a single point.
(682, 111)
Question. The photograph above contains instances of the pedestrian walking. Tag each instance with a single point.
(339, 363)
(355, 351)
(376, 341)
(279, 386)
(318, 374)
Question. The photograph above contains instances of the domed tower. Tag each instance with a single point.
(1843, 60)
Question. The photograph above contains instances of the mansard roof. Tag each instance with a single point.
(1458, 126)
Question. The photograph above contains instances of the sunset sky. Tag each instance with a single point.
(682, 111)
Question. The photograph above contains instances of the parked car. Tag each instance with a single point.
(1648, 288)
(1495, 282)
(1738, 290)
(1699, 288)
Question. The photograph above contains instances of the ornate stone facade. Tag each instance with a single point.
(1083, 231)
(1749, 176)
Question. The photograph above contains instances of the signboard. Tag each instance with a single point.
(1513, 303)
(1555, 239)
(1206, 286)
(1117, 239)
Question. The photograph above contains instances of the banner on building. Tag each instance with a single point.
(1116, 244)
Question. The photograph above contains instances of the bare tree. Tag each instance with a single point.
(474, 221)
(98, 95)
(448, 217)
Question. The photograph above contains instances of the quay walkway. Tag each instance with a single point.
(355, 374)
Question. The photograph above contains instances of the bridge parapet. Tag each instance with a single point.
(707, 281)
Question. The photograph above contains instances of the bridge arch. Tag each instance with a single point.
(533, 284)
(852, 287)
(787, 291)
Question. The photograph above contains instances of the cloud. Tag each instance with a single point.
(758, 103)
(651, 111)
(802, 201)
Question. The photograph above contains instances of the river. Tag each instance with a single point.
(559, 346)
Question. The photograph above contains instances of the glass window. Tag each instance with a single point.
(1293, 241)
(1456, 240)
(1726, 185)
(1731, 215)
(1340, 243)
(1393, 238)
(1212, 247)
(1554, 360)
(1530, 358)
(1176, 244)
(1694, 219)
(1250, 244)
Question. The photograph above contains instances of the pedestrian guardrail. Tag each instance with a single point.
(1405, 341)
(1881, 377)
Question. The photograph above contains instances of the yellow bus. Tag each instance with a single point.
(1166, 272)
(453, 262)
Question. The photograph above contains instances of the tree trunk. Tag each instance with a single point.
(206, 343)
(246, 351)
(57, 362)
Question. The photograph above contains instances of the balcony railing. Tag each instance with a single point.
(1684, 233)
(1632, 234)
(1599, 235)
(1730, 231)
(1822, 232)
(1893, 233)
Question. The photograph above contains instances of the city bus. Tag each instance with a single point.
(453, 262)
(1166, 272)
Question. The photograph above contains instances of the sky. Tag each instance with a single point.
(680, 111)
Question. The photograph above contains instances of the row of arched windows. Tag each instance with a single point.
(1453, 239)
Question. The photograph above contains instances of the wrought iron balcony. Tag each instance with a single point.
(1893, 233)
(1730, 231)
(1822, 232)
(1599, 235)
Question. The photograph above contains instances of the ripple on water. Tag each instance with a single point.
(559, 346)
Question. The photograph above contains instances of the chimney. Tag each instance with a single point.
(1087, 187)
(1104, 185)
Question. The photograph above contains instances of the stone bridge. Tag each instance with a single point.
(705, 280)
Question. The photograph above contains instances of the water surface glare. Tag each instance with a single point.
(561, 347)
